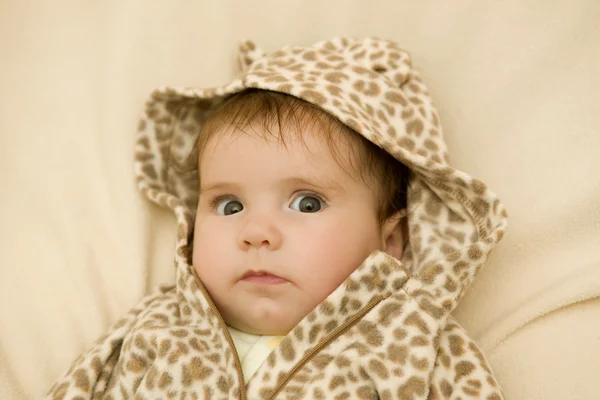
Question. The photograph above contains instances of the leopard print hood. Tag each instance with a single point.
(386, 332)
(370, 86)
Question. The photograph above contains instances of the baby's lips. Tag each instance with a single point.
(252, 273)
(262, 276)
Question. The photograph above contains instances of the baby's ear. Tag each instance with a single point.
(395, 234)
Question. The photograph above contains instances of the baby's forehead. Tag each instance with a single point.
(318, 139)
(299, 151)
(290, 121)
(307, 143)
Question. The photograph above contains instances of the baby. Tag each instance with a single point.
(291, 203)
(296, 277)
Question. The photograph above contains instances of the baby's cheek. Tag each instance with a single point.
(208, 243)
(347, 246)
(334, 255)
(206, 259)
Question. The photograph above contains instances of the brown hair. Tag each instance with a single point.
(277, 110)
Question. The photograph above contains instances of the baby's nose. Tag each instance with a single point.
(258, 233)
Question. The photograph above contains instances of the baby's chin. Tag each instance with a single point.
(270, 324)
(267, 316)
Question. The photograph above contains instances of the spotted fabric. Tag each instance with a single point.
(386, 332)
(252, 350)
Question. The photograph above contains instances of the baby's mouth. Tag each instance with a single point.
(262, 277)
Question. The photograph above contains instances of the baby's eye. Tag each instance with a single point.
(308, 203)
(228, 207)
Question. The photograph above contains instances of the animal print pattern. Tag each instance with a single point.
(386, 332)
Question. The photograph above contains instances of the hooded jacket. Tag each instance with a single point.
(386, 332)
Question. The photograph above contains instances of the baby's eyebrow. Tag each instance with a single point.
(316, 182)
(218, 185)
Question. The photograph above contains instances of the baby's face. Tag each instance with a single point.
(278, 229)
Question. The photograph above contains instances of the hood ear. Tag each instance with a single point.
(249, 53)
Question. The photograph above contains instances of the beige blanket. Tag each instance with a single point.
(517, 88)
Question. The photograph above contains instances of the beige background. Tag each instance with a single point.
(517, 84)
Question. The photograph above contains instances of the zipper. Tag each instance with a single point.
(236, 358)
(327, 339)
